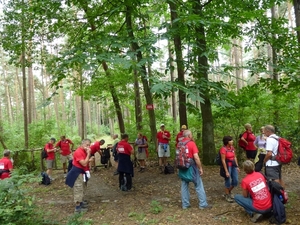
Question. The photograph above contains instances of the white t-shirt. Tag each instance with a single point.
(272, 145)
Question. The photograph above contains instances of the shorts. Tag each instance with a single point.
(251, 154)
(65, 158)
(49, 164)
(273, 172)
(232, 180)
(141, 155)
(163, 150)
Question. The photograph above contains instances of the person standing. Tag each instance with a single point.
(49, 147)
(256, 198)
(65, 145)
(115, 152)
(141, 144)
(78, 176)
(231, 167)
(163, 148)
(179, 136)
(249, 138)
(6, 165)
(260, 142)
(95, 147)
(273, 168)
(197, 167)
(125, 166)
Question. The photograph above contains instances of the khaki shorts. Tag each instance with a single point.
(163, 152)
(65, 158)
(79, 189)
(49, 164)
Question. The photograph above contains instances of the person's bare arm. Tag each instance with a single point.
(245, 193)
(198, 163)
(268, 156)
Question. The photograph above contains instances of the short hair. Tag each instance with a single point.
(186, 133)
(63, 136)
(226, 139)
(53, 139)
(123, 136)
(116, 135)
(248, 166)
(102, 141)
(270, 128)
(6, 152)
(84, 141)
(247, 125)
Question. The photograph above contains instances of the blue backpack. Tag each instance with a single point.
(278, 209)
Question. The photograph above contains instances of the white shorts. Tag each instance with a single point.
(163, 152)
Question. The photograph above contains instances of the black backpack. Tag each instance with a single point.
(278, 209)
(45, 178)
(169, 169)
(44, 154)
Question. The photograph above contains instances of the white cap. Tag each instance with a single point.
(162, 125)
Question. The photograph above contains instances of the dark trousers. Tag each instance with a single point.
(259, 165)
(128, 180)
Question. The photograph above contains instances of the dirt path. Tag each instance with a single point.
(155, 199)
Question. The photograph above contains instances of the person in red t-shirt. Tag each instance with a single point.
(6, 165)
(125, 166)
(179, 136)
(196, 166)
(95, 147)
(49, 147)
(231, 166)
(163, 147)
(65, 146)
(256, 198)
(249, 138)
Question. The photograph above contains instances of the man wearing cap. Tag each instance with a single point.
(49, 147)
(179, 136)
(6, 165)
(163, 148)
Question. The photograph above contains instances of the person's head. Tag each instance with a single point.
(248, 167)
(52, 140)
(102, 142)
(6, 153)
(248, 127)
(124, 137)
(115, 136)
(140, 136)
(227, 140)
(62, 138)
(187, 134)
(85, 143)
(262, 130)
(162, 127)
(269, 130)
(183, 127)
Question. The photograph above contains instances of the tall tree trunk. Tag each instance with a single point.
(7, 97)
(137, 102)
(136, 48)
(172, 74)
(82, 121)
(297, 16)
(179, 62)
(17, 93)
(209, 151)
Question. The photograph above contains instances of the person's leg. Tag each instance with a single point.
(260, 163)
(199, 188)
(246, 203)
(234, 180)
(49, 168)
(129, 181)
(228, 186)
(78, 191)
(121, 179)
(185, 194)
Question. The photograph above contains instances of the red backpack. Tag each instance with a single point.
(182, 160)
(284, 152)
(241, 143)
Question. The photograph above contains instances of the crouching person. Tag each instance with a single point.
(79, 174)
(256, 198)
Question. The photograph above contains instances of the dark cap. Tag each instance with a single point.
(53, 139)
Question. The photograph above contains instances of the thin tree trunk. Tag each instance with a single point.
(172, 74)
(7, 97)
(297, 20)
(137, 102)
(17, 97)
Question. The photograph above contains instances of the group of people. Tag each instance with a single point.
(255, 197)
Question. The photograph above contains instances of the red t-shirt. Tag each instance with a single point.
(179, 136)
(191, 146)
(229, 154)
(51, 155)
(161, 139)
(79, 154)
(255, 183)
(95, 147)
(124, 148)
(5, 164)
(250, 138)
(65, 146)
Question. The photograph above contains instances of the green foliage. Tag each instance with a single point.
(77, 219)
(156, 207)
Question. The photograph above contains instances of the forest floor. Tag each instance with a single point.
(155, 199)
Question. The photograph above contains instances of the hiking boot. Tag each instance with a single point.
(116, 173)
(79, 209)
(228, 198)
(256, 217)
(206, 207)
(83, 204)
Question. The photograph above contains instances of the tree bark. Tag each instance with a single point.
(172, 74)
(297, 18)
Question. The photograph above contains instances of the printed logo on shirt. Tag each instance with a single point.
(1, 166)
(259, 189)
(121, 149)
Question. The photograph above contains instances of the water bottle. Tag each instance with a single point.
(281, 198)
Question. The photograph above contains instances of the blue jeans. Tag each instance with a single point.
(246, 203)
(185, 194)
(233, 175)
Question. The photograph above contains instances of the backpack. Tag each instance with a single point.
(218, 159)
(44, 154)
(182, 160)
(169, 169)
(45, 178)
(276, 189)
(284, 152)
(241, 143)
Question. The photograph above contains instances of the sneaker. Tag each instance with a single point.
(256, 217)
(206, 207)
(228, 198)
(186, 207)
(79, 209)
(83, 204)
(231, 195)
